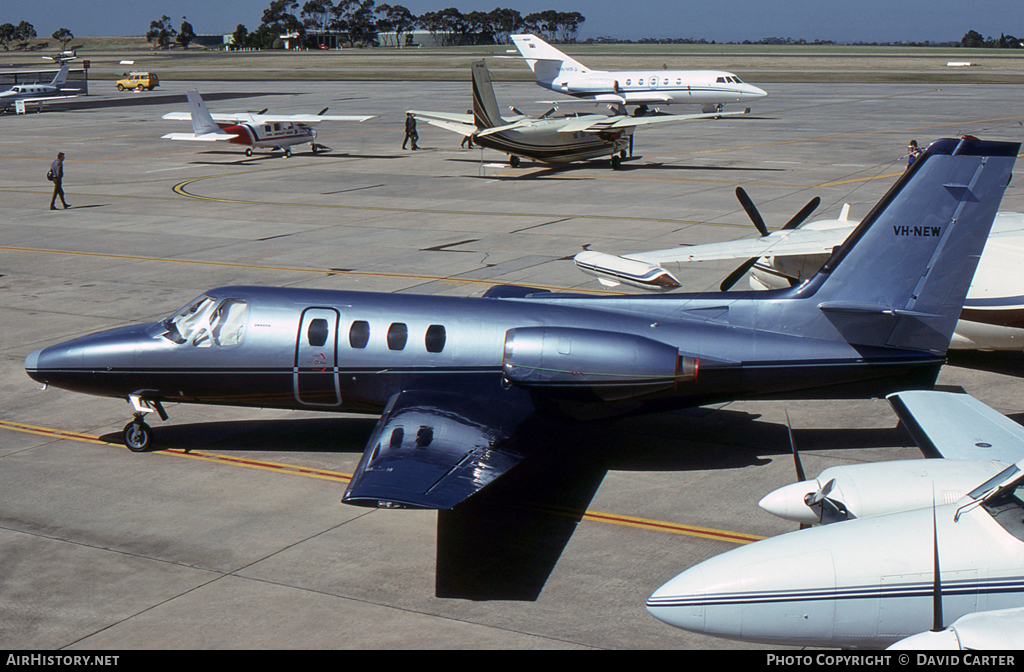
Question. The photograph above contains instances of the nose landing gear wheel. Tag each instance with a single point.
(138, 436)
(248, 151)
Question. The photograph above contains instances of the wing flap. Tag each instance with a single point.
(432, 450)
(958, 427)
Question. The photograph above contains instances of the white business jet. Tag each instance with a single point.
(877, 580)
(254, 130)
(711, 89)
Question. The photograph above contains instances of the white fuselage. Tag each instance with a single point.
(858, 583)
(700, 87)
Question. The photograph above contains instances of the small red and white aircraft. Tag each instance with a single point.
(256, 131)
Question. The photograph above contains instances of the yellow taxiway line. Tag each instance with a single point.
(340, 477)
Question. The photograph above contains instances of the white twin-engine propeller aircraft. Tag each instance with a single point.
(711, 89)
(993, 313)
(903, 546)
(256, 130)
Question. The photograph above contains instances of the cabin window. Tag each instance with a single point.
(720, 80)
(398, 334)
(359, 334)
(629, 82)
(679, 82)
(435, 338)
(317, 332)
(640, 82)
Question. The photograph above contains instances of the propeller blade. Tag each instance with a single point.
(734, 277)
(263, 111)
(820, 495)
(752, 212)
(321, 112)
(937, 581)
(800, 477)
(804, 213)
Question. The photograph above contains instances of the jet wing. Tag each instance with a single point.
(607, 123)
(958, 427)
(432, 450)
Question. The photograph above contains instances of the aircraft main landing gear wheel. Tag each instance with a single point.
(138, 436)
(248, 151)
(287, 153)
(513, 161)
(616, 162)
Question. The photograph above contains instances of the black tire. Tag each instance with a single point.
(287, 153)
(120, 87)
(248, 151)
(513, 161)
(616, 162)
(138, 436)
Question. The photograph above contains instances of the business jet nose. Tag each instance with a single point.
(32, 363)
(788, 502)
(677, 602)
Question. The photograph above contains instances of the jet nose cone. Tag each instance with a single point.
(788, 502)
(678, 601)
(32, 361)
(758, 93)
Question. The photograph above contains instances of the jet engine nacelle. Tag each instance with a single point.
(878, 488)
(569, 362)
(594, 85)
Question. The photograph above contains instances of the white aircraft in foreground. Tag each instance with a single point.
(255, 130)
(549, 138)
(943, 575)
(711, 89)
(992, 317)
(39, 93)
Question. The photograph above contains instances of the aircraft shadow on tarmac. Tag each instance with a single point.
(504, 542)
(1008, 362)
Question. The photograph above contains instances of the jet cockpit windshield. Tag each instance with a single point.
(208, 321)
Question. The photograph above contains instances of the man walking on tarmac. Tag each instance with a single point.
(410, 130)
(56, 175)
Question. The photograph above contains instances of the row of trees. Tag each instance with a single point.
(25, 31)
(161, 33)
(974, 39)
(363, 20)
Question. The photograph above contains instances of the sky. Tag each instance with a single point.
(722, 21)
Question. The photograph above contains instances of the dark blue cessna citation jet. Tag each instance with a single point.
(455, 379)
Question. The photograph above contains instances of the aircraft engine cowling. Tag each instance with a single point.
(596, 85)
(587, 363)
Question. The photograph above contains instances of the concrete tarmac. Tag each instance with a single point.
(231, 534)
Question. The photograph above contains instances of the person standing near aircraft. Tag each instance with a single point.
(467, 141)
(410, 130)
(913, 151)
(56, 175)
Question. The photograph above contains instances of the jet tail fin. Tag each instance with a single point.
(544, 60)
(486, 113)
(61, 77)
(202, 120)
(901, 277)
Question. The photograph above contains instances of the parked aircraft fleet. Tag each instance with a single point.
(877, 302)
